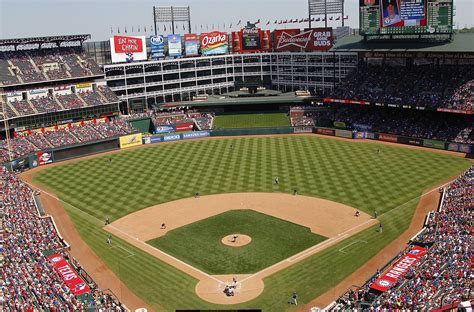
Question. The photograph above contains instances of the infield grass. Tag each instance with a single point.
(389, 182)
(273, 240)
(252, 121)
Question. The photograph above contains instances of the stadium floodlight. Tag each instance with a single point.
(325, 7)
(172, 14)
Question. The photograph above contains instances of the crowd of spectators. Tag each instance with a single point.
(29, 282)
(203, 120)
(24, 145)
(45, 64)
(50, 103)
(444, 275)
(445, 86)
(406, 122)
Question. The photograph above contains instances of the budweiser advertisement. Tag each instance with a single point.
(399, 269)
(128, 49)
(215, 42)
(70, 277)
(314, 39)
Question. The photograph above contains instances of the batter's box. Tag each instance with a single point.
(345, 249)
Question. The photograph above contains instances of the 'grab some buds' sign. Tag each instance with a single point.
(316, 39)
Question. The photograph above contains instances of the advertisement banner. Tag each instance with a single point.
(360, 135)
(344, 133)
(453, 147)
(465, 148)
(174, 45)
(399, 269)
(171, 137)
(196, 134)
(152, 139)
(251, 39)
(214, 43)
(370, 135)
(433, 144)
(191, 45)
(388, 137)
(165, 129)
(157, 47)
(330, 100)
(184, 127)
(410, 141)
(75, 283)
(130, 140)
(303, 130)
(314, 39)
(128, 49)
(44, 158)
(325, 131)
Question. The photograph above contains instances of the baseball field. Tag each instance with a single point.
(142, 188)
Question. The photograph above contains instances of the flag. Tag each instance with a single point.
(111, 30)
(318, 19)
(257, 22)
(338, 18)
(184, 28)
(275, 22)
(312, 19)
(285, 21)
(138, 28)
(118, 30)
(306, 20)
(125, 29)
(300, 21)
(330, 18)
(164, 27)
(346, 16)
(240, 21)
(268, 23)
(230, 25)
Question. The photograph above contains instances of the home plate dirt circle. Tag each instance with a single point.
(236, 240)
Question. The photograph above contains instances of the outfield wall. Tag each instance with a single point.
(69, 152)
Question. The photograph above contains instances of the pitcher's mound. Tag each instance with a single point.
(236, 240)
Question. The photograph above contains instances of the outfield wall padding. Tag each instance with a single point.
(85, 149)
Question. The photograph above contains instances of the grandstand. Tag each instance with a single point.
(442, 278)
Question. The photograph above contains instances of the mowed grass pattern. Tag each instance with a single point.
(347, 172)
(252, 121)
(273, 240)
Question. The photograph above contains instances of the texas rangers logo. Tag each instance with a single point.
(56, 259)
(384, 283)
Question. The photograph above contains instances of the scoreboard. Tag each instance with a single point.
(405, 17)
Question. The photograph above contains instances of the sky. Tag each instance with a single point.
(30, 18)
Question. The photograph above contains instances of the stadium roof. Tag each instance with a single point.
(17, 41)
(461, 43)
(286, 98)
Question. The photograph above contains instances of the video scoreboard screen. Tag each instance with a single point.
(405, 17)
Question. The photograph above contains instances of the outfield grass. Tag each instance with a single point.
(347, 172)
(252, 121)
(273, 240)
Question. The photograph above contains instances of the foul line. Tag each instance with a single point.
(131, 254)
(129, 235)
(353, 243)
